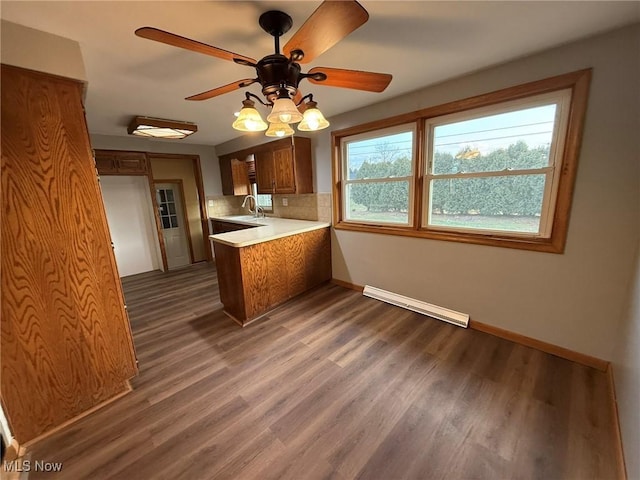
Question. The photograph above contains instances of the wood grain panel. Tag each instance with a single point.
(284, 170)
(296, 264)
(230, 284)
(66, 342)
(276, 257)
(255, 279)
(317, 253)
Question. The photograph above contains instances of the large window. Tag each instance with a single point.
(495, 169)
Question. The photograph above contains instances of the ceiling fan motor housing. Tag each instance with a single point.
(276, 72)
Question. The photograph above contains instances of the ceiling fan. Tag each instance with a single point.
(280, 74)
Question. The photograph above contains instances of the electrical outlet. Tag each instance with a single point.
(285, 202)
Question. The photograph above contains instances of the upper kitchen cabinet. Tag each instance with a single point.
(234, 172)
(284, 166)
(113, 162)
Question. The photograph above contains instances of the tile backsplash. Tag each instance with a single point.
(312, 206)
(223, 205)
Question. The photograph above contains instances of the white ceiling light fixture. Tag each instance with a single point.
(161, 128)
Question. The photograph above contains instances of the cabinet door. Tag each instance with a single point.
(240, 177)
(106, 163)
(66, 343)
(285, 179)
(226, 176)
(132, 162)
(264, 172)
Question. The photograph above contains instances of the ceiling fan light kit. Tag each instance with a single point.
(312, 119)
(279, 130)
(279, 74)
(284, 111)
(160, 128)
(249, 119)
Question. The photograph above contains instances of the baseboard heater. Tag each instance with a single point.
(441, 313)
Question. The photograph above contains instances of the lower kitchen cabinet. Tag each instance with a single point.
(256, 278)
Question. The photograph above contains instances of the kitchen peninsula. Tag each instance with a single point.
(263, 262)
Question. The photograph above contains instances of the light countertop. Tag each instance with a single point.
(268, 228)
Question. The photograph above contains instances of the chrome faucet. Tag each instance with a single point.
(256, 208)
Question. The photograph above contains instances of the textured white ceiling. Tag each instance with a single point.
(420, 43)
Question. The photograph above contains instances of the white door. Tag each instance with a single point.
(169, 198)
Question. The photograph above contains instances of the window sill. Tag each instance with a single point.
(548, 245)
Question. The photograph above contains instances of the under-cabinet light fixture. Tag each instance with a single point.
(161, 128)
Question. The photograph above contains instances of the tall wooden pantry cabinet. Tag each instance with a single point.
(66, 344)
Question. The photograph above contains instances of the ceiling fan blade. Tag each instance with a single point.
(172, 39)
(356, 79)
(222, 90)
(330, 23)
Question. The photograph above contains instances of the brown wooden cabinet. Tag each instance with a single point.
(234, 173)
(256, 278)
(115, 162)
(220, 226)
(66, 345)
(284, 166)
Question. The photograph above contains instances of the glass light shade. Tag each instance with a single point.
(284, 111)
(279, 130)
(312, 120)
(249, 120)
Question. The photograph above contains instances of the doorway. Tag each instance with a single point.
(175, 228)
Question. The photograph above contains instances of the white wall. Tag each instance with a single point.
(40, 51)
(574, 300)
(208, 159)
(626, 371)
(133, 231)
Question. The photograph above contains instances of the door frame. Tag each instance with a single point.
(197, 173)
(187, 231)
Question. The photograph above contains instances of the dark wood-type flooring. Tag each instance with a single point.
(332, 385)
